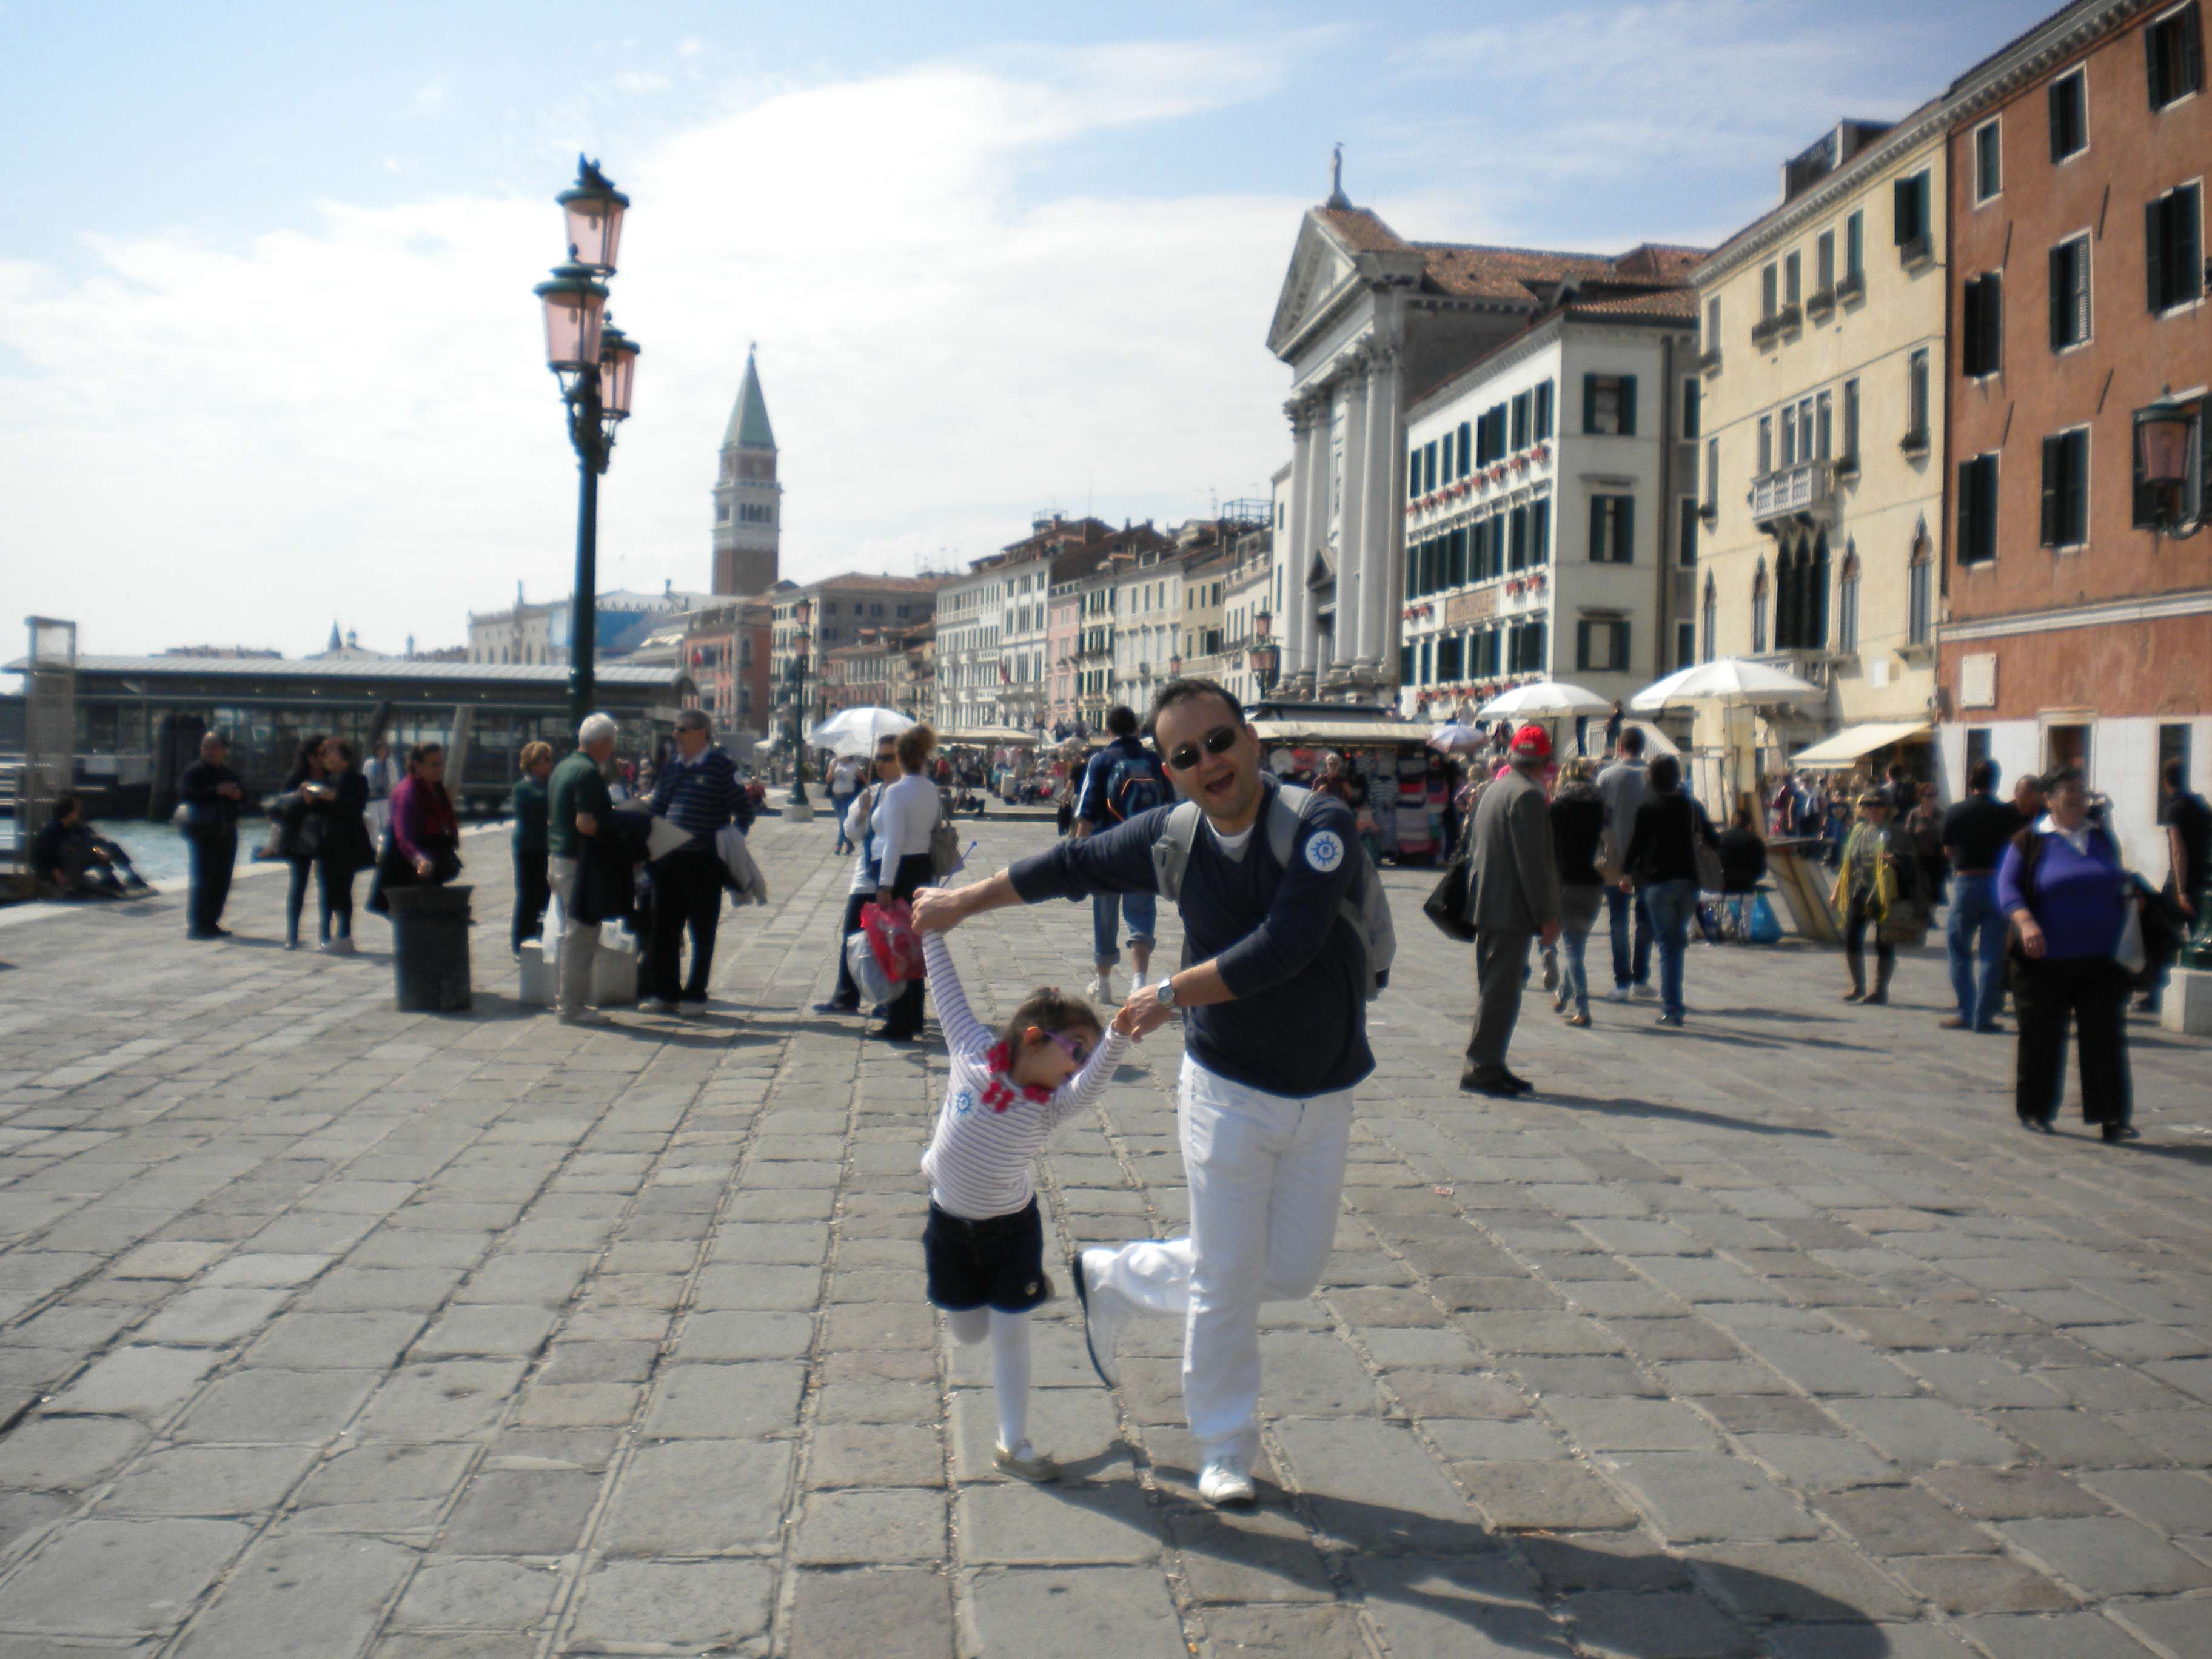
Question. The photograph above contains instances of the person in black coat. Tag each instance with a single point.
(297, 812)
(346, 849)
(208, 795)
(1743, 866)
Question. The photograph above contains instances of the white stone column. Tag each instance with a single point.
(1297, 541)
(1352, 522)
(1381, 584)
(1310, 667)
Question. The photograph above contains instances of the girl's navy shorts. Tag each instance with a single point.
(998, 1262)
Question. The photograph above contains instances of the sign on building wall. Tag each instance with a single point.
(1978, 680)
(1463, 608)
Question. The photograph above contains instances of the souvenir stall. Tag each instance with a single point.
(1400, 787)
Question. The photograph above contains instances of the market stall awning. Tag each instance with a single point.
(1855, 743)
(1356, 732)
(982, 737)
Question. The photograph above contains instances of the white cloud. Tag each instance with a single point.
(431, 95)
(641, 81)
(690, 46)
(244, 440)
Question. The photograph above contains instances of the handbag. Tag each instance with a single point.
(1765, 927)
(875, 984)
(1709, 877)
(944, 842)
(1448, 901)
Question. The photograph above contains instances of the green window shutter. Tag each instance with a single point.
(2154, 254)
(1581, 645)
(2054, 465)
(1628, 406)
(1619, 663)
(2192, 75)
(1590, 402)
(2184, 228)
(1623, 531)
(2061, 298)
(1598, 528)
(1540, 533)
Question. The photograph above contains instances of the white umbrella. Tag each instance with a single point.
(1458, 738)
(1727, 680)
(857, 731)
(1545, 698)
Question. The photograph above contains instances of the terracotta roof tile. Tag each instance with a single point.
(1364, 230)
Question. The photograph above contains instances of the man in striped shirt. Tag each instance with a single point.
(698, 792)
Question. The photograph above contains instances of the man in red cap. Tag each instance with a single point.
(1513, 899)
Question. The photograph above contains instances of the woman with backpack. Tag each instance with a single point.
(2063, 886)
(1661, 866)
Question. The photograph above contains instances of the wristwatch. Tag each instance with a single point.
(1165, 993)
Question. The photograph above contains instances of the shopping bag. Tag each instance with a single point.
(877, 987)
(889, 928)
(1765, 927)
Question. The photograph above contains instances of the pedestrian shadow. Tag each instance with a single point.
(1456, 1569)
(1631, 1106)
(1775, 1013)
(2201, 1155)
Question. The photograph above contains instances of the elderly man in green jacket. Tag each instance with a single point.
(1513, 899)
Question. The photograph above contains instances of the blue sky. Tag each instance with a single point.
(268, 353)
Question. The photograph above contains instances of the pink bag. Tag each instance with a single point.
(898, 947)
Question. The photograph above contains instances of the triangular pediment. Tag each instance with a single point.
(1322, 573)
(1321, 266)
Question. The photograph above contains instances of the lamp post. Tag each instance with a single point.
(596, 364)
(2164, 434)
(802, 613)
(1264, 656)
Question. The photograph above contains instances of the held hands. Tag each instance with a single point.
(1142, 1014)
(936, 910)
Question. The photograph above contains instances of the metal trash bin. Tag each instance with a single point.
(429, 948)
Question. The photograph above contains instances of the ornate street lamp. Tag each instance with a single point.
(596, 364)
(1265, 656)
(2164, 433)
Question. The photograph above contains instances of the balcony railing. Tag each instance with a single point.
(1810, 665)
(1803, 488)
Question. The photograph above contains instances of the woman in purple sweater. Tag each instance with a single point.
(2062, 884)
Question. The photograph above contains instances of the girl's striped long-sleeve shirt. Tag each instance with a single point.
(990, 1127)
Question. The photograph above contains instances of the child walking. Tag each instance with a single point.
(984, 1244)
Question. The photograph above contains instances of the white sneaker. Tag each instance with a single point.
(1025, 1462)
(1619, 994)
(656, 1006)
(1646, 994)
(1104, 1313)
(1100, 988)
(1223, 1482)
(584, 1017)
(1136, 984)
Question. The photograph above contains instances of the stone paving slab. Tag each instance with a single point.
(334, 1331)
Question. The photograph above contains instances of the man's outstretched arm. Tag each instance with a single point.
(941, 910)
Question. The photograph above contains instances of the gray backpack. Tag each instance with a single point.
(1365, 908)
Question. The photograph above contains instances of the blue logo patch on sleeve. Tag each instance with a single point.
(1324, 850)
(963, 1102)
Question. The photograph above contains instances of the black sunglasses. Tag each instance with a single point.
(1219, 741)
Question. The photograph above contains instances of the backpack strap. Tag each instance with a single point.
(1171, 852)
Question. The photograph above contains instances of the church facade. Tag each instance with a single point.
(1369, 324)
(748, 499)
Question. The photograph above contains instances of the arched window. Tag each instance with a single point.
(1710, 622)
(1847, 603)
(1759, 609)
(1789, 562)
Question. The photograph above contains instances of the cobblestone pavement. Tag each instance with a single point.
(333, 1331)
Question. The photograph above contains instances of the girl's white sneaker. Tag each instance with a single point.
(1025, 1462)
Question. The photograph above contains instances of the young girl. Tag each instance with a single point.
(984, 1244)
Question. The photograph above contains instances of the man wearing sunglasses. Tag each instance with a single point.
(1275, 1040)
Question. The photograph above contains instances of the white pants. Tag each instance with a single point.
(1266, 1174)
(580, 940)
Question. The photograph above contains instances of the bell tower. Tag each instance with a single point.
(748, 501)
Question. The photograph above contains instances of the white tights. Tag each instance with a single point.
(1010, 1364)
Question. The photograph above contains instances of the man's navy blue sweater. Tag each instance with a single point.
(1297, 1023)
